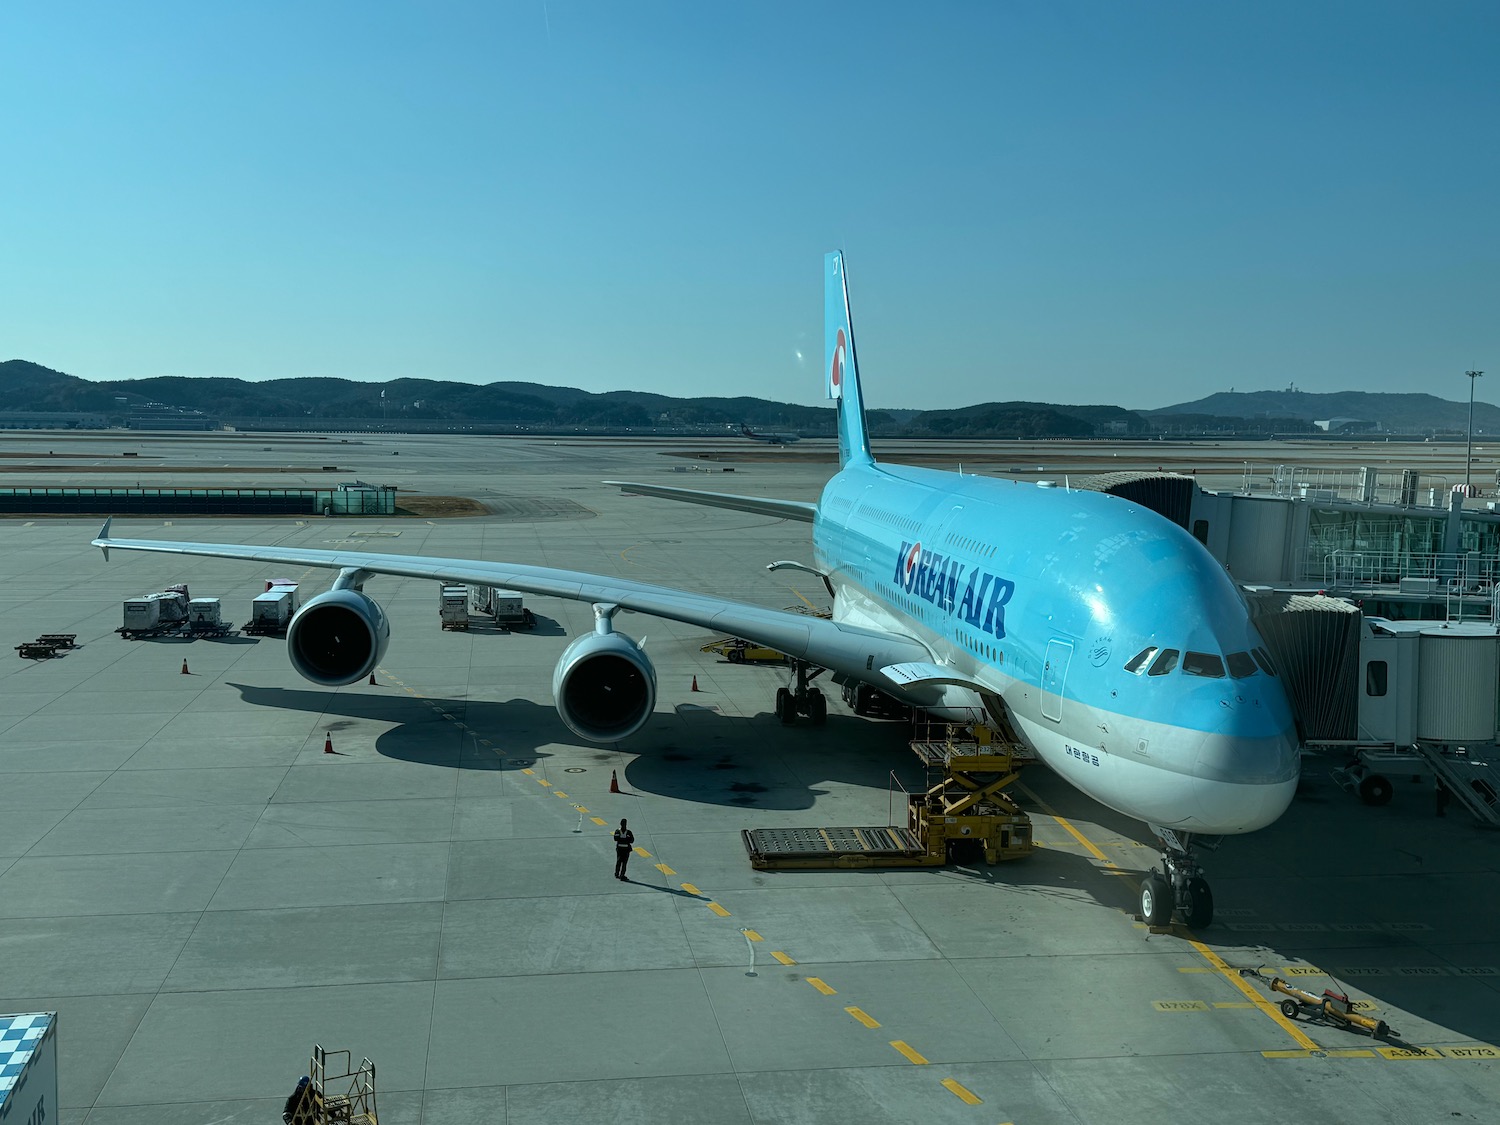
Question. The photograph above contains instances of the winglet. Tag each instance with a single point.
(102, 540)
(841, 370)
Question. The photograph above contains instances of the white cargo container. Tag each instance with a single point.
(203, 611)
(507, 607)
(28, 1069)
(272, 611)
(453, 606)
(141, 614)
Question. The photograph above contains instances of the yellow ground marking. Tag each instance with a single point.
(911, 1053)
(1408, 1053)
(410, 691)
(626, 552)
(1179, 1005)
(559, 793)
(544, 781)
(803, 600)
(719, 910)
(529, 772)
(1348, 1054)
(692, 890)
(598, 820)
(485, 742)
(1217, 962)
(823, 987)
(1473, 1051)
(580, 808)
(662, 867)
(642, 852)
(863, 1016)
(752, 935)
(961, 1092)
(1256, 998)
(460, 726)
(782, 957)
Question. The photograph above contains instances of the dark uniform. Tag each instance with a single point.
(624, 841)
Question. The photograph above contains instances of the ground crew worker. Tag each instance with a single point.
(624, 841)
(1441, 797)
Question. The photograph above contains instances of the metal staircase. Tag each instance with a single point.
(1474, 782)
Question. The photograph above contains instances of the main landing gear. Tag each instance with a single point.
(1178, 885)
(800, 699)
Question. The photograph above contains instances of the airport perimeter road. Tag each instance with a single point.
(203, 893)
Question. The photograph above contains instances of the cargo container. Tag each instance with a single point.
(205, 618)
(28, 1069)
(507, 607)
(142, 615)
(272, 611)
(453, 606)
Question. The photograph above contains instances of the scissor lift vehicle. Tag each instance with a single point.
(340, 1095)
(964, 817)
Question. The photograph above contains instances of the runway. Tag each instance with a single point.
(203, 894)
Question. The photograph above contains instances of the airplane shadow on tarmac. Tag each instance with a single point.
(1394, 905)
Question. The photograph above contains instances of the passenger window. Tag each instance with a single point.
(1203, 664)
(1263, 658)
(1139, 661)
(1164, 663)
(1241, 665)
(1375, 677)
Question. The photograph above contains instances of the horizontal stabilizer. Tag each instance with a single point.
(760, 505)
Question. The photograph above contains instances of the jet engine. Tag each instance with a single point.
(337, 638)
(604, 686)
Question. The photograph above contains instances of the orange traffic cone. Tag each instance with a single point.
(372, 679)
(695, 681)
(185, 672)
(614, 782)
(328, 742)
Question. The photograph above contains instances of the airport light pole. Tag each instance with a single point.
(1469, 441)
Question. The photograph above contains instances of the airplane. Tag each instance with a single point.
(774, 439)
(1102, 634)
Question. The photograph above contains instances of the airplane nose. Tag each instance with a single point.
(1255, 771)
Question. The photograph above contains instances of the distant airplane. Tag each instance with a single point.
(1103, 634)
(774, 439)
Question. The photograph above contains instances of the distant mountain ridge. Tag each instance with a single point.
(28, 386)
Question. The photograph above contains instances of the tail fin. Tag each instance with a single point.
(840, 365)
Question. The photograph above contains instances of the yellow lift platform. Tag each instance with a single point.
(964, 817)
(340, 1096)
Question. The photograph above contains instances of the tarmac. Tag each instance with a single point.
(202, 893)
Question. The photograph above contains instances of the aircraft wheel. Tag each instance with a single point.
(1376, 790)
(1198, 912)
(1290, 1009)
(786, 707)
(817, 707)
(861, 704)
(1156, 901)
(736, 656)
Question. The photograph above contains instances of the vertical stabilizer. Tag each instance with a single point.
(839, 363)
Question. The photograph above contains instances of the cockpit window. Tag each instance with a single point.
(1241, 665)
(1263, 658)
(1164, 663)
(1139, 661)
(1203, 664)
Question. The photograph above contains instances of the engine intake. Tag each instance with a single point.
(604, 686)
(337, 638)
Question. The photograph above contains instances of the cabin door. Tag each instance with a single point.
(1055, 678)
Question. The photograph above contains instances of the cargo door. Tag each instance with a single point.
(1055, 678)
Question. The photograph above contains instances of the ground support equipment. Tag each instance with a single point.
(737, 650)
(341, 1095)
(1467, 776)
(59, 640)
(253, 629)
(209, 629)
(524, 620)
(164, 629)
(1331, 1007)
(964, 817)
(36, 650)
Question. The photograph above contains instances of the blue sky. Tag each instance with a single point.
(1129, 203)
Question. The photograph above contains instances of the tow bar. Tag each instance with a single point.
(1331, 1007)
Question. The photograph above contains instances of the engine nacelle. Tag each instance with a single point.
(604, 686)
(337, 638)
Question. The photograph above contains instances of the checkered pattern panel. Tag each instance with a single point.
(19, 1036)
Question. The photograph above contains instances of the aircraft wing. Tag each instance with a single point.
(829, 644)
(760, 505)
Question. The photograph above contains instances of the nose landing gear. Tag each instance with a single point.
(800, 698)
(1178, 885)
